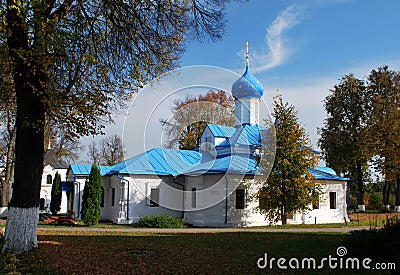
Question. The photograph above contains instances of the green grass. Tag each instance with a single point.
(138, 253)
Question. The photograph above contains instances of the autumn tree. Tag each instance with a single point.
(384, 131)
(290, 187)
(7, 152)
(56, 194)
(344, 135)
(109, 151)
(7, 130)
(76, 62)
(191, 115)
(91, 197)
(64, 146)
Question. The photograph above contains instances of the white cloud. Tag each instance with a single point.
(278, 51)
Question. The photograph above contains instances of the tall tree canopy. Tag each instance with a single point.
(344, 134)
(384, 132)
(290, 187)
(191, 115)
(76, 61)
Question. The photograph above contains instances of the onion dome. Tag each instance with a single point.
(247, 86)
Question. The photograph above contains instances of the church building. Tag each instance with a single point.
(210, 186)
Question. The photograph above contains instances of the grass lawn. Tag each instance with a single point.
(95, 252)
(127, 253)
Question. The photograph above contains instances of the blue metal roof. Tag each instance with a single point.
(168, 162)
(161, 161)
(221, 131)
(158, 161)
(246, 134)
(327, 170)
(84, 169)
(247, 86)
(322, 175)
(233, 164)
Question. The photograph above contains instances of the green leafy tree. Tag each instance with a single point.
(191, 115)
(344, 134)
(56, 194)
(384, 131)
(91, 197)
(78, 61)
(290, 187)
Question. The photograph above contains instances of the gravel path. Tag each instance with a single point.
(207, 230)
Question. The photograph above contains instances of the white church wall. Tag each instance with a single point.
(324, 213)
(113, 194)
(74, 203)
(129, 208)
(211, 201)
(48, 175)
(207, 137)
(215, 214)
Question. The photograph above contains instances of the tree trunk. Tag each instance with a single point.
(21, 235)
(360, 185)
(24, 205)
(386, 195)
(283, 214)
(397, 194)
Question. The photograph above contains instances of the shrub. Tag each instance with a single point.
(160, 221)
(380, 245)
(373, 201)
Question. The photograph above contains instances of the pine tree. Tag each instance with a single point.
(91, 197)
(56, 193)
(290, 187)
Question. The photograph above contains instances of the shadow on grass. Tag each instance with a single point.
(211, 253)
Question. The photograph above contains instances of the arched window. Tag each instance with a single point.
(49, 179)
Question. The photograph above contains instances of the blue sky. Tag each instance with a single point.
(301, 48)
(305, 38)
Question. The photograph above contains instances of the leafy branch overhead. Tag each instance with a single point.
(76, 62)
(89, 56)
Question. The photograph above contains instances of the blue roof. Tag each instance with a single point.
(221, 131)
(322, 175)
(247, 86)
(245, 135)
(84, 169)
(327, 170)
(158, 161)
(233, 164)
(164, 162)
(169, 162)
